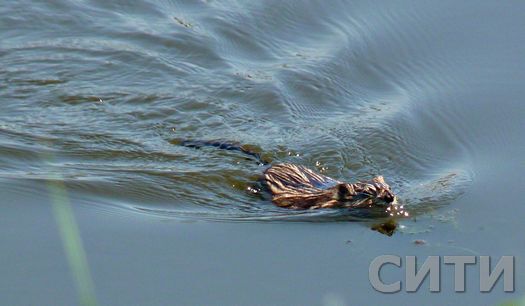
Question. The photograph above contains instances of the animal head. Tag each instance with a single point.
(375, 192)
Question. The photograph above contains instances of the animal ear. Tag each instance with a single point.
(343, 191)
(379, 179)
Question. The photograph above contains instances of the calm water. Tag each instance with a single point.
(95, 94)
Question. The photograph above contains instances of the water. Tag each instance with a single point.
(96, 94)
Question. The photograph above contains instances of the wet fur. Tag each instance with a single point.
(297, 187)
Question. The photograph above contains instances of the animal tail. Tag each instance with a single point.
(225, 145)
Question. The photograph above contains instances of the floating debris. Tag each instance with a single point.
(183, 23)
(419, 242)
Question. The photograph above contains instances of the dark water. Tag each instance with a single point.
(95, 94)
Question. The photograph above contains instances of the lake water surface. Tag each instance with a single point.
(95, 95)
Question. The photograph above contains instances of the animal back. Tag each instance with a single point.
(297, 176)
(298, 187)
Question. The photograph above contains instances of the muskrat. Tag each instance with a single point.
(297, 187)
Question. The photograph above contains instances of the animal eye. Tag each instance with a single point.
(388, 197)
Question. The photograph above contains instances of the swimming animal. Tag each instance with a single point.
(297, 187)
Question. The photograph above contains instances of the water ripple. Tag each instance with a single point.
(347, 89)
